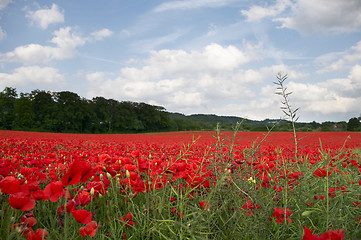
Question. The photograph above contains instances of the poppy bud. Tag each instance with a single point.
(306, 213)
(127, 174)
(109, 176)
(92, 191)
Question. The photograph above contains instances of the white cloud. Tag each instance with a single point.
(66, 42)
(44, 17)
(339, 60)
(331, 96)
(31, 75)
(215, 80)
(214, 57)
(99, 35)
(323, 15)
(256, 13)
(194, 81)
(191, 4)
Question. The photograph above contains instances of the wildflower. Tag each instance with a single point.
(28, 219)
(83, 198)
(54, 191)
(39, 234)
(9, 185)
(90, 229)
(39, 195)
(251, 180)
(250, 206)
(127, 220)
(22, 201)
(205, 205)
(82, 216)
(321, 172)
(331, 234)
(281, 214)
(78, 172)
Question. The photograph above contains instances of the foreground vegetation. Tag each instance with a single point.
(168, 186)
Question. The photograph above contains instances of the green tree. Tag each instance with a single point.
(69, 114)
(126, 117)
(44, 109)
(105, 110)
(354, 124)
(7, 103)
(152, 117)
(24, 114)
(88, 120)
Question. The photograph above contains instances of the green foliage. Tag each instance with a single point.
(67, 112)
(354, 124)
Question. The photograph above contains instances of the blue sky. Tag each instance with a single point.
(189, 56)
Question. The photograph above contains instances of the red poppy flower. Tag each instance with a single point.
(79, 171)
(82, 216)
(128, 220)
(39, 234)
(83, 198)
(54, 191)
(331, 234)
(22, 201)
(28, 219)
(10, 185)
(70, 207)
(322, 172)
(39, 195)
(73, 175)
(308, 234)
(205, 205)
(280, 214)
(89, 230)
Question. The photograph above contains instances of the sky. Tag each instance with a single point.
(190, 56)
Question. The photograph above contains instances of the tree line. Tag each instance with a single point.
(66, 111)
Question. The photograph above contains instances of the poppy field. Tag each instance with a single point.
(180, 185)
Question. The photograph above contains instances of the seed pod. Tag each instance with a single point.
(306, 213)
(109, 176)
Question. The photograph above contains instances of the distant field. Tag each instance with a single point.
(328, 139)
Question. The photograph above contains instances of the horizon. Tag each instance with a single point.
(190, 56)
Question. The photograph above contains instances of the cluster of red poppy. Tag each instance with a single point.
(78, 168)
